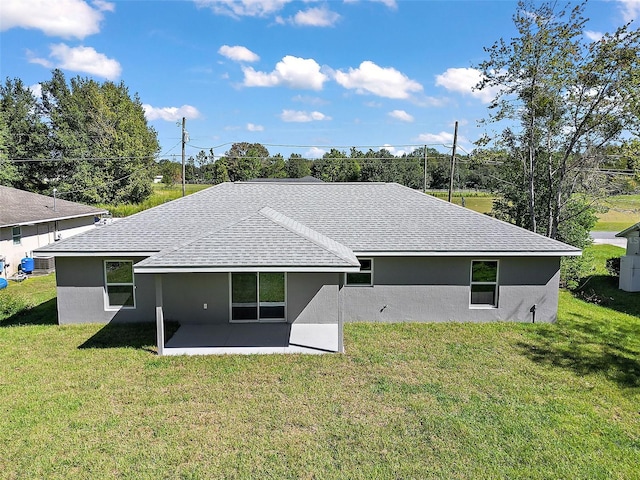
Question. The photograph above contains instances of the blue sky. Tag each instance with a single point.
(296, 76)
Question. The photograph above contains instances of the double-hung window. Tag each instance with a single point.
(362, 278)
(16, 234)
(484, 283)
(119, 284)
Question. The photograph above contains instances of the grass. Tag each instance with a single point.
(161, 194)
(624, 211)
(494, 400)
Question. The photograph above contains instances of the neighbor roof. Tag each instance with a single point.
(19, 207)
(218, 225)
(628, 231)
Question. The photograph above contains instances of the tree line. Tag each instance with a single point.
(246, 161)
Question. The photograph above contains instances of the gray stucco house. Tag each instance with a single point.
(281, 266)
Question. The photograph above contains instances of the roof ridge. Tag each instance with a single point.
(319, 239)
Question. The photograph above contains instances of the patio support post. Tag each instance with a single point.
(340, 321)
(159, 315)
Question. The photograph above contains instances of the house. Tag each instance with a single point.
(29, 220)
(630, 262)
(280, 266)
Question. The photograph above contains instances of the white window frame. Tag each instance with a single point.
(369, 271)
(496, 284)
(258, 303)
(18, 237)
(107, 305)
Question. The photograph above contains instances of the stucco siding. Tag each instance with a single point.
(438, 290)
(81, 293)
(185, 295)
(312, 297)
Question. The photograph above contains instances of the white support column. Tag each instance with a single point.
(340, 320)
(159, 315)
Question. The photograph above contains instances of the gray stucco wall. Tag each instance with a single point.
(81, 293)
(312, 297)
(185, 294)
(426, 289)
(405, 289)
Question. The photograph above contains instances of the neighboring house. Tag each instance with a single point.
(29, 220)
(281, 266)
(630, 262)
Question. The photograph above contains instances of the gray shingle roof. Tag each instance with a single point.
(628, 231)
(265, 239)
(18, 207)
(367, 218)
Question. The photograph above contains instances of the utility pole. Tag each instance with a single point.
(425, 170)
(184, 133)
(453, 160)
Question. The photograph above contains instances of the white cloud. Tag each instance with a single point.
(104, 6)
(243, 8)
(445, 138)
(463, 80)
(238, 53)
(315, 17)
(292, 72)
(299, 116)
(392, 4)
(309, 100)
(314, 152)
(170, 114)
(59, 18)
(79, 59)
(254, 128)
(36, 89)
(401, 115)
(593, 36)
(383, 82)
(396, 152)
(630, 9)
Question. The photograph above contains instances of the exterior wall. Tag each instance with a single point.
(313, 298)
(405, 289)
(432, 289)
(38, 235)
(81, 293)
(184, 296)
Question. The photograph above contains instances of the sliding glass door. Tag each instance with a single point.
(258, 297)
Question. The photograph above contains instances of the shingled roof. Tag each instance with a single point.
(228, 223)
(19, 207)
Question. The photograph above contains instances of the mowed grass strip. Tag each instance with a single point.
(450, 400)
(624, 211)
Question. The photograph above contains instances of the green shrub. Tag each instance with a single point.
(11, 304)
(613, 266)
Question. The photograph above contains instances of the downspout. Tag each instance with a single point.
(159, 314)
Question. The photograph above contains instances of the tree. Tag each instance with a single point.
(245, 160)
(566, 100)
(171, 172)
(101, 138)
(298, 167)
(8, 171)
(335, 166)
(24, 135)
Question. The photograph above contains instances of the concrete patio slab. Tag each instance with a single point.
(252, 338)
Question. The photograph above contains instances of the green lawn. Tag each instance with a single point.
(161, 193)
(624, 211)
(492, 400)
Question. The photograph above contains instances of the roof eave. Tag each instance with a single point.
(469, 253)
(246, 268)
(53, 219)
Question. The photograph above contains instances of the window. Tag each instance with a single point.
(258, 297)
(16, 233)
(364, 277)
(484, 283)
(119, 284)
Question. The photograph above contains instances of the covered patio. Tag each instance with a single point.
(253, 338)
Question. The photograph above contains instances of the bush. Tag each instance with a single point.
(11, 304)
(573, 269)
(613, 266)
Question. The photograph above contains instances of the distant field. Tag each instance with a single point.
(624, 211)
(161, 194)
